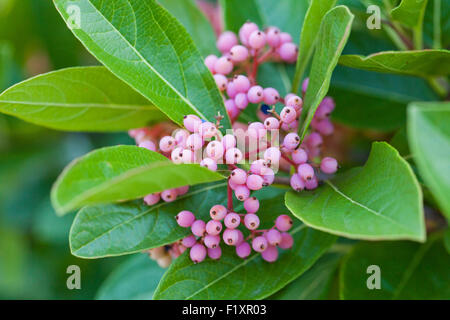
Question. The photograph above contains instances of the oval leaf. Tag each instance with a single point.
(120, 173)
(142, 44)
(313, 19)
(234, 278)
(135, 279)
(421, 63)
(332, 37)
(79, 99)
(429, 140)
(380, 201)
(408, 271)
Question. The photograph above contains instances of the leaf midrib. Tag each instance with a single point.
(83, 105)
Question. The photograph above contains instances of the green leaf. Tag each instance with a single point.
(314, 16)
(421, 63)
(447, 240)
(429, 140)
(380, 201)
(118, 229)
(410, 12)
(101, 231)
(234, 278)
(195, 22)
(408, 271)
(79, 99)
(332, 37)
(142, 44)
(236, 13)
(120, 173)
(314, 284)
(135, 279)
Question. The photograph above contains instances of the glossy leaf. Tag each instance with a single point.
(118, 229)
(142, 44)
(79, 99)
(332, 37)
(410, 12)
(313, 19)
(120, 173)
(408, 271)
(195, 22)
(429, 140)
(421, 63)
(380, 201)
(135, 279)
(315, 283)
(234, 278)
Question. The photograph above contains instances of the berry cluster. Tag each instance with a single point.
(206, 237)
(256, 48)
(257, 144)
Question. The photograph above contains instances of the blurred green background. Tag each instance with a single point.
(34, 248)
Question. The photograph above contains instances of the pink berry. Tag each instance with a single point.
(305, 171)
(167, 144)
(271, 96)
(182, 190)
(211, 241)
(181, 136)
(299, 156)
(221, 81)
(288, 114)
(240, 237)
(241, 101)
(226, 41)
(230, 237)
(242, 193)
(232, 110)
(192, 123)
(189, 241)
(256, 130)
(312, 184)
(257, 40)
(257, 166)
(295, 101)
(194, 142)
(152, 199)
(271, 123)
(273, 37)
(210, 61)
(255, 182)
(213, 227)
(246, 30)
(185, 219)
(297, 183)
(214, 150)
(218, 212)
(286, 241)
(207, 130)
(238, 176)
(270, 254)
(232, 220)
(243, 250)
(251, 205)
(255, 94)
(291, 141)
(198, 253)
(147, 144)
(288, 52)
(209, 163)
(259, 244)
(325, 108)
(233, 185)
(241, 84)
(231, 90)
(215, 253)
(290, 126)
(283, 223)
(268, 176)
(273, 236)
(169, 195)
(198, 228)
(228, 141)
(272, 155)
(314, 140)
(251, 221)
(188, 156)
(239, 53)
(285, 38)
(305, 85)
(233, 156)
(324, 126)
(223, 65)
(329, 165)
